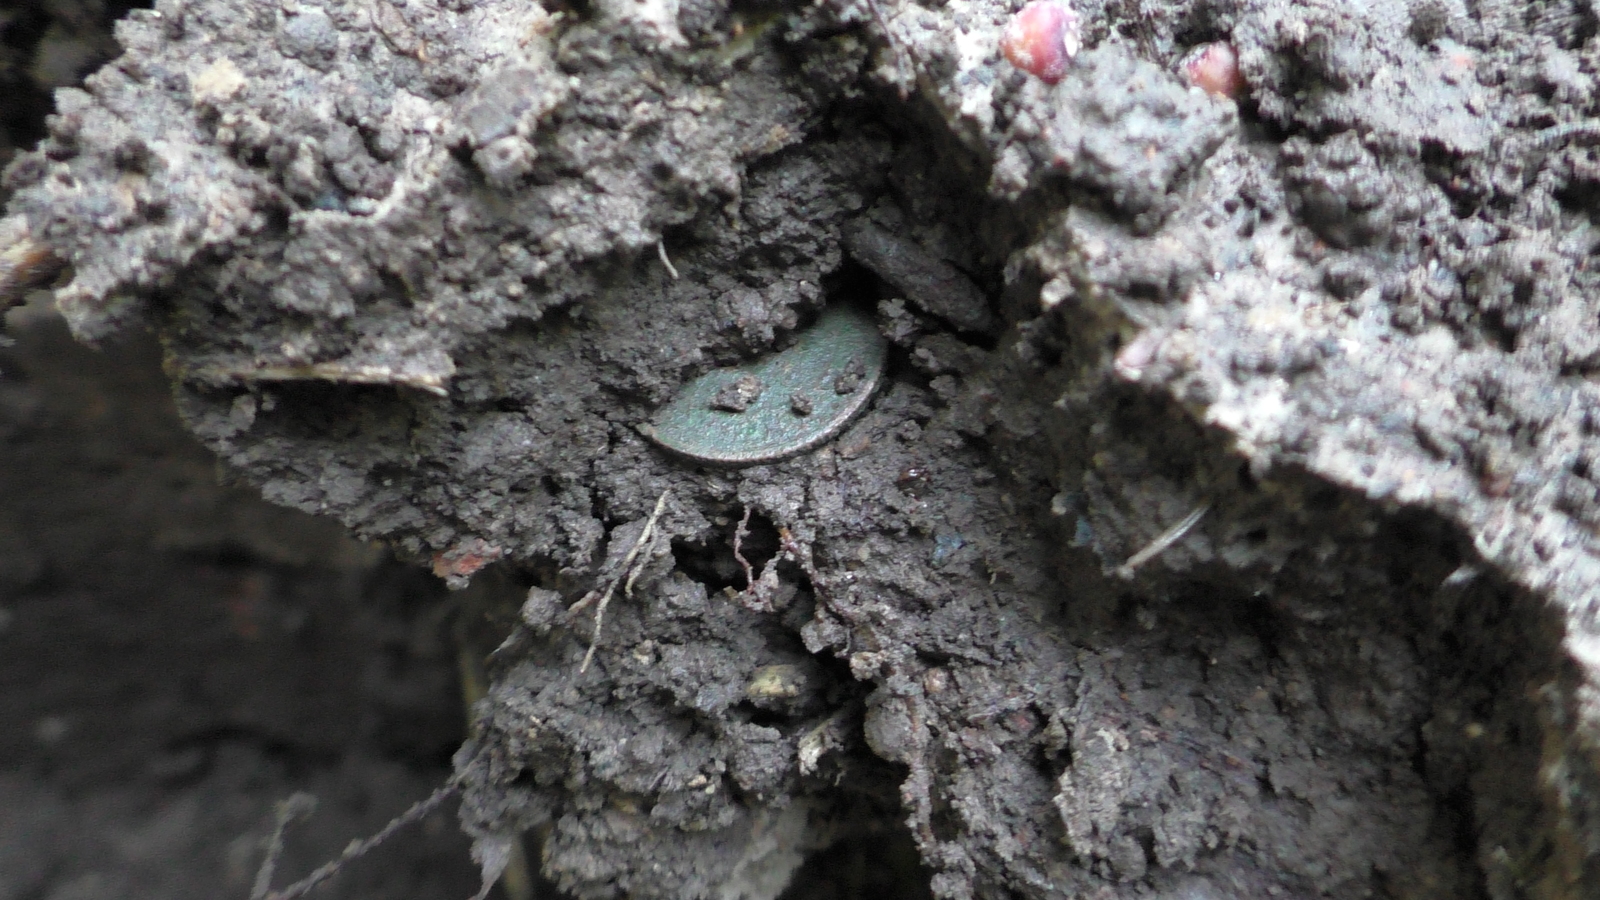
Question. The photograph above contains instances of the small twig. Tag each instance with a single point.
(1163, 541)
(739, 534)
(625, 576)
(661, 251)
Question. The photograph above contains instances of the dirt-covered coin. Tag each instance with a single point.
(809, 393)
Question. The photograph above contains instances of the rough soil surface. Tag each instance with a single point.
(426, 266)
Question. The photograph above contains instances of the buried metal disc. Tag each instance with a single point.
(781, 405)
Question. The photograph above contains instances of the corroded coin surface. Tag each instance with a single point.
(782, 404)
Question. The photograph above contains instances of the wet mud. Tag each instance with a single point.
(1222, 526)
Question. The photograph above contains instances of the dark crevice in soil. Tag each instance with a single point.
(882, 865)
(179, 656)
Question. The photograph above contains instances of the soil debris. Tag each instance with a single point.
(1352, 310)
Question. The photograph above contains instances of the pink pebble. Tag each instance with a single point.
(1131, 361)
(1042, 38)
(1214, 68)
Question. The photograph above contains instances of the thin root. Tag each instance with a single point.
(739, 535)
(296, 806)
(1163, 541)
(301, 803)
(661, 251)
(628, 574)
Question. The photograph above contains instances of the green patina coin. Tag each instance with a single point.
(781, 405)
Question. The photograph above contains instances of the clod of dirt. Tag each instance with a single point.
(1344, 316)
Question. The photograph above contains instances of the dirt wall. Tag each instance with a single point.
(427, 267)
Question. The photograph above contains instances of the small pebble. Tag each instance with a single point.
(1042, 38)
(1131, 360)
(1214, 68)
(850, 378)
(737, 395)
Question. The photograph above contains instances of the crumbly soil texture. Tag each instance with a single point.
(427, 266)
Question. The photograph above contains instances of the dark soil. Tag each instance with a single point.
(176, 657)
(425, 267)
